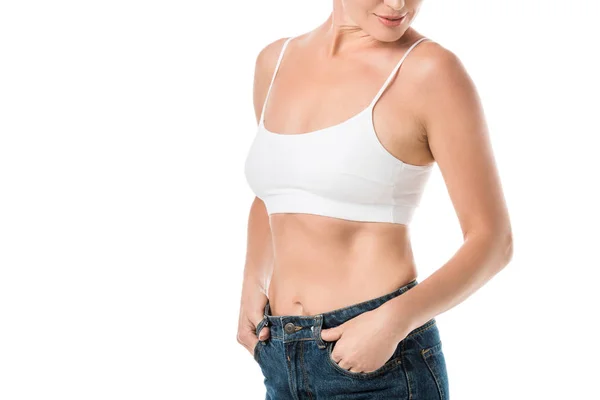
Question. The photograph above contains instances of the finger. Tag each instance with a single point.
(356, 369)
(344, 365)
(336, 358)
(347, 366)
(264, 333)
(331, 334)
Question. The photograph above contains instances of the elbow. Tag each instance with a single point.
(498, 242)
(503, 243)
(507, 247)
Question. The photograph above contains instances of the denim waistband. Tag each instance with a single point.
(308, 327)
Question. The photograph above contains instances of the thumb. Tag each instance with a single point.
(331, 334)
(264, 333)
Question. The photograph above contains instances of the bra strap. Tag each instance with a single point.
(387, 82)
(262, 113)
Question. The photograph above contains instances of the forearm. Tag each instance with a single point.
(477, 261)
(259, 253)
(257, 272)
(256, 279)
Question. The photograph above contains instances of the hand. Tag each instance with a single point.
(251, 313)
(366, 342)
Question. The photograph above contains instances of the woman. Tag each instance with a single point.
(331, 306)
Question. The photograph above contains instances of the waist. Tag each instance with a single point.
(280, 324)
(322, 292)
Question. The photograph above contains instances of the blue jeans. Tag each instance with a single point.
(296, 362)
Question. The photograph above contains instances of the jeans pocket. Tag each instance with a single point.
(435, 361)
(393, 362)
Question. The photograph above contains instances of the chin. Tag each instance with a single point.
(391, 35)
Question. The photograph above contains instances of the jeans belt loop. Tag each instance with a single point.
(317, 332)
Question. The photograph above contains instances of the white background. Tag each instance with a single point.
(124, 126)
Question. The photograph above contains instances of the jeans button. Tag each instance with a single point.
(289, 327)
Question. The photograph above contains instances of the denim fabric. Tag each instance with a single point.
(296, 362)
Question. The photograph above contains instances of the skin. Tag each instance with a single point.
(308, 264)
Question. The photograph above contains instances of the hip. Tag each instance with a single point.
(296, 362)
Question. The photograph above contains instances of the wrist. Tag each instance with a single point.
(254, 280)
(399, 318)
(253, 292)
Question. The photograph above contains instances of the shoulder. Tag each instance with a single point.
(268, 55)
(435, 68)
(441, 87)
(263, 71)
(445, 98)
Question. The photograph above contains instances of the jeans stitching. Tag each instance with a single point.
(426, 354)
(388, 366)
(429, 324)
(304, 371)
(406, 375)
(384, 298)
(381, 299)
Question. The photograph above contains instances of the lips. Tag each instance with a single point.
(389, 22)
(392, 17)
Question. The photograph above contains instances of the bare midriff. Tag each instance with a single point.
(324, 263)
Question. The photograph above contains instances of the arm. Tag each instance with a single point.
(453, 119)
(259, 251)
(257, 272)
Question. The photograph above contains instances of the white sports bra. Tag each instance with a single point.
(342, 171)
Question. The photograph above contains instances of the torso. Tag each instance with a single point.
(323, 263)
